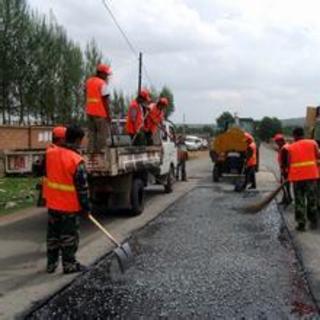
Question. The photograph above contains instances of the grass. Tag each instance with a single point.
(19, 190)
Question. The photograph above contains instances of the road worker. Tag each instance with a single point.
(135, 117)
(58, 139)
(98, 109)
(250, 163)
(67, 197)
(182, 159)
(304, 175)
(282, 161)
(154, 121)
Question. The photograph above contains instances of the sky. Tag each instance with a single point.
(255, 58)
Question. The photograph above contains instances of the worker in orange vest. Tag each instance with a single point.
(135, 117)
(304, 175)
(58, 138)
(98, 109)
(250, 163)
(67, 197)
(154, 120)
(282, 157)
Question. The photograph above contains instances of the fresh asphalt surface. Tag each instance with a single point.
(200, 259)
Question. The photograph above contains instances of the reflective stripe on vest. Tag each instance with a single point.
(303, 162)
(94, 103)
(61, 165)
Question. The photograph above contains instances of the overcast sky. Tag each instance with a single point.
(254, 57)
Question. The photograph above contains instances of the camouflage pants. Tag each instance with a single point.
(62, 236)
(306, 201)
(99, 134)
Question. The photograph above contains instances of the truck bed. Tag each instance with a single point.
(120, 160)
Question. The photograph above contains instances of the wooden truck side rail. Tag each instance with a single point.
(120, 160)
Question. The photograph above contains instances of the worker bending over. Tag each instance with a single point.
(304, 174)
(137, 110)
(154, 121)
(282, 158)
(98, 110)
(67, 197)
(250, 163)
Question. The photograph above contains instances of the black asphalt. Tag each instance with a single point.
(201, 259)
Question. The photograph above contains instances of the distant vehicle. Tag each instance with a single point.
(193, 143)
(204, 144)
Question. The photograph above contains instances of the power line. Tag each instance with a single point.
(131, 46)
(129, 43)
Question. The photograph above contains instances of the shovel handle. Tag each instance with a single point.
(103, 229)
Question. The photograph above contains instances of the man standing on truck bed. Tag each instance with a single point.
(282, 161)
(154, 120)
(67, 197)
(98, 110)
(136, 115)
(304, 175)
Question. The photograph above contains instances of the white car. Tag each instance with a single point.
(193, 143)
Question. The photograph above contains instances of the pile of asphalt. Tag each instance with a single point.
(200, 259)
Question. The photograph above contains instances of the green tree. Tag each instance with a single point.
(268, 127)
(224, 120)
(167, 93)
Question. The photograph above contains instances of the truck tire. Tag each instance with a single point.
(168, 186)
(137, 197)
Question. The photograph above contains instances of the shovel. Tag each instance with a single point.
(123, 252)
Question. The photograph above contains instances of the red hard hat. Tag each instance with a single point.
(104, 68)
(278, 136)
(249, 137)
(59, 132)
(145, 94)
(164, 101)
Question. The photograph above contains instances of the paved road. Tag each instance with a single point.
(23, 280)
(201, 259)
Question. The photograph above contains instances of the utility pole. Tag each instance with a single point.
(140, 72)
(184, 124)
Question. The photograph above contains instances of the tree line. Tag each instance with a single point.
(42, 71)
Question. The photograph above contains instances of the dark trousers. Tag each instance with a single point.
(99, 132)
(306, 201)
(62, 237)
(286, 192)
(181, 168)
(250, 177)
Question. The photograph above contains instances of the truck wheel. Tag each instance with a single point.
(215, 174)
(137, 197)
(168, 187)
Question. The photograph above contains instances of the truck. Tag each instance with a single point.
(228, 149)
(118, 177)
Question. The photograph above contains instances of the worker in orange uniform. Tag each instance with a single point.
(58, 138)
(135, 118)
(154, 120)
(282, 157)
(304, 175)
(251, 163)
(98, 109)
(67, 196)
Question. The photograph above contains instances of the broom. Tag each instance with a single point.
(256, 207)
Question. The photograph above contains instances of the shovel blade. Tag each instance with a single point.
(124, 256)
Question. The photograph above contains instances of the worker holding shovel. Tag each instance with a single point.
(137, 113)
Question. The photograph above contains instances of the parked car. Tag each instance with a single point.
(193, 143)
(204, 144)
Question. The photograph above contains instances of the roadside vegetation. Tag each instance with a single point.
(17, 193)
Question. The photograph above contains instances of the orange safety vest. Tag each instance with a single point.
(94, 102)
(134, 118)
(303, 161)
(154, 118)
(44, 179)
(252, 161)
(61, 165)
